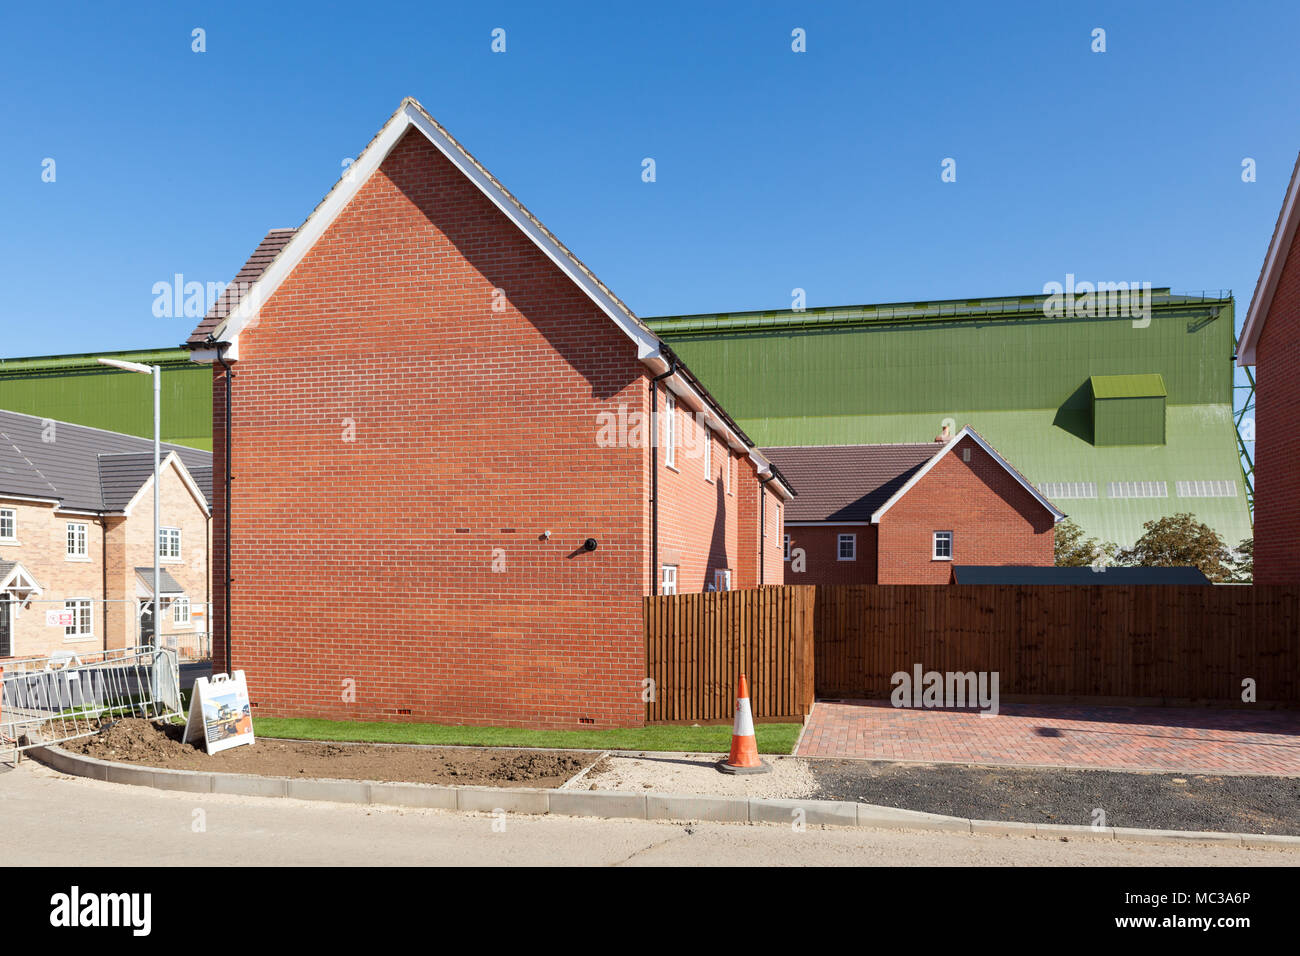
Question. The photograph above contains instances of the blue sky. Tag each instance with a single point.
(775, 169)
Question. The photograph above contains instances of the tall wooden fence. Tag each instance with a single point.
(697, 644)
(1139, 644)
(1115, 643)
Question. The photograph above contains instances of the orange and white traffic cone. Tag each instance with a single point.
(744, 748)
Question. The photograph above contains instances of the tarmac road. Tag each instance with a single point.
(49, 819)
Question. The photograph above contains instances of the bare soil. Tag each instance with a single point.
(142, 742)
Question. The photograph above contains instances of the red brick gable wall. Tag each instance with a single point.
(1277, 432)
(371, 560)
(994, 520)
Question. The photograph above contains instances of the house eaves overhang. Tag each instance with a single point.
(1271, 273)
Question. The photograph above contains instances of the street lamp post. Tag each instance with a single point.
(156, 372)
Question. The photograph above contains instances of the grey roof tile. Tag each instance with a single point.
(86, 469)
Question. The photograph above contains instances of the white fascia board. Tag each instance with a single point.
(358, 174)
(43, 501)
(1057, 515)
(1274, 262)
(764, 469)
(828, 524)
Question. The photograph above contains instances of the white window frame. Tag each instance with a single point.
(164, 553)
(722, 579)
(708, 452)
(670, 429)
(949, 537)
(668, 579)
(9, 516)
(180, 604)
(83, 609)
(852, 539)
(731, 467)
(81, 538)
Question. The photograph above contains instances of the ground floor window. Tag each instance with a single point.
(668, 579)
(943, 546)
(181, 611)
(83, 618)
(722, 579)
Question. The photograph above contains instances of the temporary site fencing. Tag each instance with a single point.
(45, 700)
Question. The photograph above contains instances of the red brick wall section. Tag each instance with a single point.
(994, 520)
(820, 559)
(1277, 432)
(396, 439)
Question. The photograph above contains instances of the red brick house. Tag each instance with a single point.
(1270, 341)
(446, 502)
(907, 513)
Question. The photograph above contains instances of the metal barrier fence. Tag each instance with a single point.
(45, 700)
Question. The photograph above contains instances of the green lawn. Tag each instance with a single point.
(772, 738)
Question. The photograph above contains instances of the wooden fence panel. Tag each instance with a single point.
(697, 645)
(1141, 644)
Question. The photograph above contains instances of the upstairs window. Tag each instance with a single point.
(848, 547)
(787, 547)
(670, 430)
(169, 544)
(943, 546)
(77, 540)
(8, 524)
(708, 452)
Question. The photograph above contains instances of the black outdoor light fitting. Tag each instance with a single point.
(589, 544)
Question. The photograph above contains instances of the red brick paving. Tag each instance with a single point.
(1125, 738)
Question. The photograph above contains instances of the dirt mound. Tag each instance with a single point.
(141, 742)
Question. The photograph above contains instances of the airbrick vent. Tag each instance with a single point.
(1207, 489)
(1138, 489)
(1069, 489)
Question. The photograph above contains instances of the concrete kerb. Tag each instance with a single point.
(611, 804)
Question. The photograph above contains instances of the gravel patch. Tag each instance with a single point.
(696, 774)
(1164, 801)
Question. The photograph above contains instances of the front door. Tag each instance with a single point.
(6, 628)
(146, 625)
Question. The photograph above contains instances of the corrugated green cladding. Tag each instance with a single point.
(77, 389)
(894, 373)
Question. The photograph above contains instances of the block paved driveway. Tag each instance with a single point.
(1126, 738)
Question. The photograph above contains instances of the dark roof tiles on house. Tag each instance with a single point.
(847, 482)
(82, 468)
(265, 253)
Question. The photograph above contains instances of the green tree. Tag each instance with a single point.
(1180, 541)
(1073, 550)
(1244, 565)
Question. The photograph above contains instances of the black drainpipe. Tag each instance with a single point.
(654, 474)
(225, 566)
(762, 527)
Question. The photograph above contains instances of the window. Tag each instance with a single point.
(670, 429)
(83, 618)
(731, 466)
(708, 452)
(181, 611)
(77, 541)
(848, 547)
(169, 544)
(8, 524)
(669, 585)
(722, 579)
(787, 547)
(943, 546)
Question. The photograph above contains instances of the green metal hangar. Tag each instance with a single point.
(1117, 420)
(77, 389)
